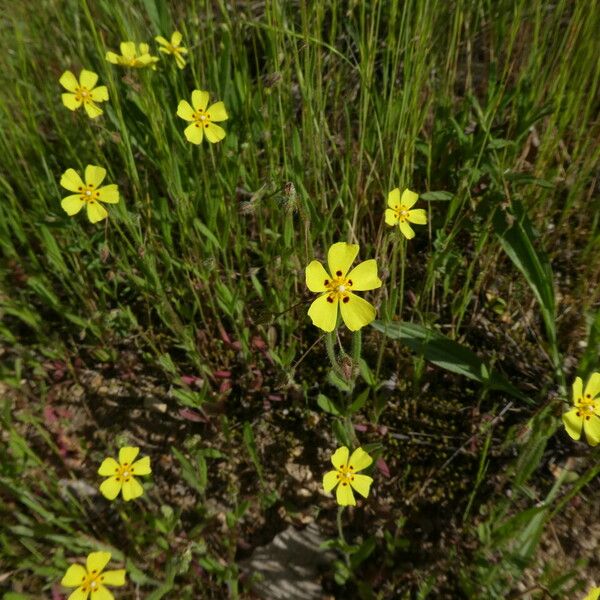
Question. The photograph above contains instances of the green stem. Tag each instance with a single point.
(402, 266)
(329, 345)
(340, 527)
(356, 346)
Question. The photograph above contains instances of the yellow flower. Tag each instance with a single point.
(130, 58)
(339, 286)
(586, 414)
(399, 212)
(83, 92)
(593, 594)
(202, 118)
(173, 48)
(88, 193)
(346, 475)
(92, 578)
(121, 474)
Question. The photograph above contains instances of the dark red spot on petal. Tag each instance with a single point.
(344, 483)
(330, 299)
(326, 282)
(346, 299)
(338, 273)
(349, 281)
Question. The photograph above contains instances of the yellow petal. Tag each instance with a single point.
(132, 489)
(408, 198)
(127, 455)
(109, 193)
(577, 390)
(573, 423)
(110, 488)
(74, 576)
(356, 312)
(78, 594)
(199, 100)
(339, 458)
(407, 230)
(142, 466)
(113, 58)
(116, 577)
(144, 48)
(96, 212)
(213, 133)
(393, 199)
(391, 217)
(324, 313)
(359, 460)
(364, 276)
(217, 112)
(94, 175)
(317, 277)
(100, 94)
(185, 111)
(71, 101)
(88, 79)
(591, 427)
(417, 216)
(340, 257)
(96, 561)
(127, 49)
(68, 81)
(592, 389)
(194, 133)
(92, 110)
(180, 61)
(71, 181)
(330, 480)
(362, 483)
(593, 594)
(101, 593)
(72, 204)
(161, 40)
(108, 467)
(344, 495)
(176, 38)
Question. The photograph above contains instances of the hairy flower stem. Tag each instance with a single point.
(329, 345)
(340, 527)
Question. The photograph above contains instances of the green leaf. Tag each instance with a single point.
(446, 353)
(328, 405)
(517, 238)
(436, 196)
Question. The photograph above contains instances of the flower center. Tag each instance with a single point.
(89, 193)
(124, 472)
(401, 212)
(83, 94)
(586, 407)
(345, 474)
(91, 581)
(202, 118)
(338, 288)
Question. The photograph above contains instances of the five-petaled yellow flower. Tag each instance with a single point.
(88, 193)
(593, 594)
(130, 57)
(338, 288)
(399, 212)
(83, 92)
(346, 475)
(91, 579)
(173, 48)
(121, 475)
(586, 413)
(202, 118)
